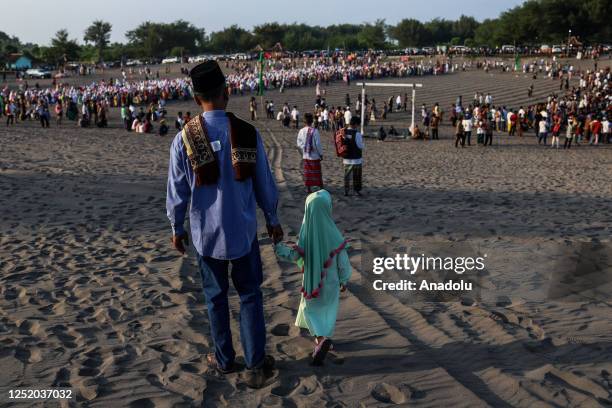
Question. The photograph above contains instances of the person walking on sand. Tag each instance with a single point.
(321, 254)
(309, 143)
(543, 129)
(253, 108)
(295, 117)
(353, 160)
(570, 131)
(556, 130)
(595, 131)
(459, 133)
(488, 131)
(219, 170)
(467, 129)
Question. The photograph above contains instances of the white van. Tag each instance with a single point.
(171, 60)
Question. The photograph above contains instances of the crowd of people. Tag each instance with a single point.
(279, 75)
(578, 114)
(141, 102)
(581, 111)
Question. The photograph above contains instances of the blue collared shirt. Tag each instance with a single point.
(221, 216)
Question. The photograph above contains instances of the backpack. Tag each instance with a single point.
(341, 147)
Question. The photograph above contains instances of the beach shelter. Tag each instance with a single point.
(19, 61)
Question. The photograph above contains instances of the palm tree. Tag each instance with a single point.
(98, 34)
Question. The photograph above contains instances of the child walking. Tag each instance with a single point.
(321, 255)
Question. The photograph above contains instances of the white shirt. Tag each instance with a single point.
(467, 125)
(359, 142)
(347, 117)
(317, 151)
(294, 114)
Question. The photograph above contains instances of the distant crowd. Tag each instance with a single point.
(576, 114)
(579, 112)
(279, 75)
(88, 105)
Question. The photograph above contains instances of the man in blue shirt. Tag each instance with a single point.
(218, 168)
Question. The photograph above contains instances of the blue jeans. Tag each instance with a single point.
(247, 277)
(542, 137)
(468, 136)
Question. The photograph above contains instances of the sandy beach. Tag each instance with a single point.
(94, 298)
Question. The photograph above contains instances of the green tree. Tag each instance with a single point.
(158, 39)
(63, 49)
(373, 35)
(98, 34)
(465, 27)
(440, 31)
(231, 39)
(488, 34)
(410, 33)
(267, 35)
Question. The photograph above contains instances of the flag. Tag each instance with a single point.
(260, 91)
(517, 63)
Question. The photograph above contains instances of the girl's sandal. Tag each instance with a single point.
(316, 341)
(320, 352)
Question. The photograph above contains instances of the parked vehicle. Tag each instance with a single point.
(557, 49)
(171, 60)
(429, 50)
(38, 73)
(197, 58)
(460, 49)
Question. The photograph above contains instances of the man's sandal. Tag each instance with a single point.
(257, 377)
(214, 364)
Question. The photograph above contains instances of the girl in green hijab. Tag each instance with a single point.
(321, 255)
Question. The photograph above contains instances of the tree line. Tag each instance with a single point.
(532, 23)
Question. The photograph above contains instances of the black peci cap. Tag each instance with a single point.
(206, 76)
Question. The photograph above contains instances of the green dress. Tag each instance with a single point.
(318, 315)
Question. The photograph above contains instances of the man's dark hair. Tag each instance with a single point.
(214, 93)
(355, 120)
(308, 118)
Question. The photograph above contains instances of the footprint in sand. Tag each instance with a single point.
(28, 327)
(62, 378)
(272, 401)
(28, 354)
(90, 367)
(281, 329)
(389, 394)
(286, 387)
(89, 389)
(142, 403)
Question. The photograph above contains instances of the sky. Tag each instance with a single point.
(37, 21)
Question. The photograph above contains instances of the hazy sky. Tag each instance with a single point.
(38, 20)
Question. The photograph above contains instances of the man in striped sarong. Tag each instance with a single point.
(309, 143)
